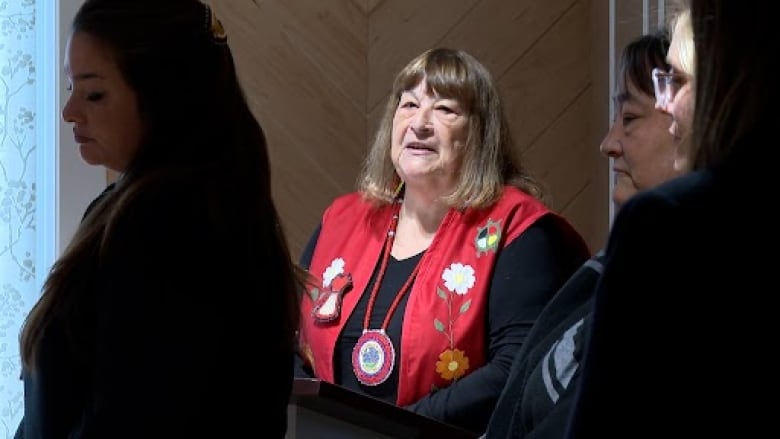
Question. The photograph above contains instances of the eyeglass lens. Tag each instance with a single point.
(663, 85)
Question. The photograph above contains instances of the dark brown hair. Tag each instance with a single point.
(641, 56)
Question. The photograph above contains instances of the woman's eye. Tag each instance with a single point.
(407, 103)
(95, 96)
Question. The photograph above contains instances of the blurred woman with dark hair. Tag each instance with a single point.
(180, 267)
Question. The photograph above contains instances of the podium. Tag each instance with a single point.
(322, 410)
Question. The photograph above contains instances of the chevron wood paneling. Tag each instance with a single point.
(317, 73)
(399, 30)
(303, 66)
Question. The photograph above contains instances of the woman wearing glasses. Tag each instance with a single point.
(674, 88)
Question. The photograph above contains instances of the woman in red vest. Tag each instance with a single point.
(429, 276)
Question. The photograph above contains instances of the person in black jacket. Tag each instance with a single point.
(173, 310)
(538, 396)
(684, 320)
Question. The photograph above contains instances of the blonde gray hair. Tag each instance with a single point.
(488, 160)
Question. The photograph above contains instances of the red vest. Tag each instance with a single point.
(443, 335)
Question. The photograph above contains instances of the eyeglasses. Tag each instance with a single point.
(666, 85)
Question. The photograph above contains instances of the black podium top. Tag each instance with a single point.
(368, 412)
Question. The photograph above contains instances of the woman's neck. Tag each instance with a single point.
(417, 225)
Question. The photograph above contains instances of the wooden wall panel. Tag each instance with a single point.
(317, 73)
(542, 84)
(303, 66)
(500, 33)
(399, 30)
(565, 158)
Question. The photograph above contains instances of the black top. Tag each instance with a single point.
(177, 334)
(528, 272)
(684, 324)
(544, 379)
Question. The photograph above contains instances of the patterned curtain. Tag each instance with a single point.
(17, 197)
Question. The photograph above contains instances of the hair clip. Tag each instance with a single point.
(214, 26)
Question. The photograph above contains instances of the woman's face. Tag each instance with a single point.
(102, 107)
(429, 134)
(639, 143)
(681, 105)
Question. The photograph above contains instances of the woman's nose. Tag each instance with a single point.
(611, 145)
(422, 121)
(69, 112)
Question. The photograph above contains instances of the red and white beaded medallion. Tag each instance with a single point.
(373, 357)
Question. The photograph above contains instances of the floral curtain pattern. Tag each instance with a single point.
(17, 197)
